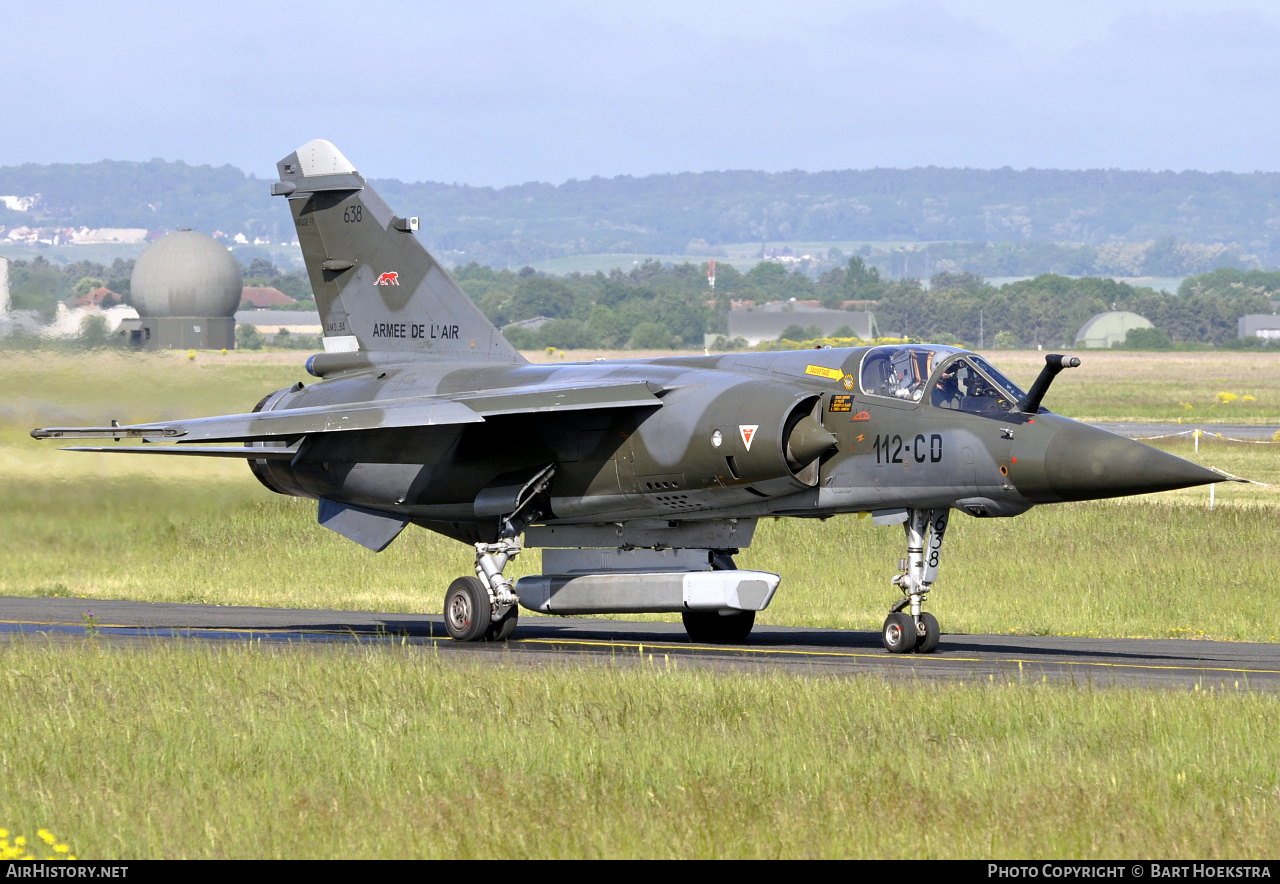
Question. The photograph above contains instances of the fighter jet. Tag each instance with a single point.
(640, 479)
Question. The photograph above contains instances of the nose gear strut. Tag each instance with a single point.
(919, 629)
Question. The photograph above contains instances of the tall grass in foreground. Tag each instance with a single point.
(239, 751)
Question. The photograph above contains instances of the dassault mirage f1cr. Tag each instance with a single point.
(640, 478)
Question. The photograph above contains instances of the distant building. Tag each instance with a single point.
(769, 321)
(89, 236)
(533, 324)
(96, 297)
(69, 323)
(1260, 325)
(186, 288)
(20, 203)
(22, 234)
(1106, 329)
(258, 297)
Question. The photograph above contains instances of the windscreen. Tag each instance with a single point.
(961, 386)
(1009, 386)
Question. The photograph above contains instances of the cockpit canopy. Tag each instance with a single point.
(946, 376)
(901, 371)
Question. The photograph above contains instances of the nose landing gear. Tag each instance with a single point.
(917, 630)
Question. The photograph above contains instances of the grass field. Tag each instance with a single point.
(1133, 386)
(193, 750)
(242, 751)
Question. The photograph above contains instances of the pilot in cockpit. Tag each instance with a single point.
(979, 387)
(946, 392)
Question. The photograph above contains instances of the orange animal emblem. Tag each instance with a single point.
(391, 278)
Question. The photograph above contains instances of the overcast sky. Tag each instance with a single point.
(500, 93)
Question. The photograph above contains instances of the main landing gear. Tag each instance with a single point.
(486, 607)
(918, 630)
(491, 558)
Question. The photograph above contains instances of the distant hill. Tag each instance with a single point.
(663, 214)
(157, 195)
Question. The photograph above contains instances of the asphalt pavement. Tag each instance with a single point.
(1178, 663)
(1243, 432)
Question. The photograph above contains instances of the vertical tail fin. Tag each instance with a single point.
(377, 287)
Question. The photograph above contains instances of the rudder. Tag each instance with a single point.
(376, 285)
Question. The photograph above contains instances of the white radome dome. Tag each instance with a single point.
(186, 274)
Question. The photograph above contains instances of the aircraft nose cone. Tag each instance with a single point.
(1085, 463)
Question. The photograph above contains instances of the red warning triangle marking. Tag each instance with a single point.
(748, 433)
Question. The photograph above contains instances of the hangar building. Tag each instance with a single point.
(1261, 325)
(1107, 329)
(767, 322)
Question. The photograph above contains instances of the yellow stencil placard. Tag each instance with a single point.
(831, 374)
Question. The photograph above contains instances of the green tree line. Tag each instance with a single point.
(654, 306)
(40, 285)
(666, 306)
(1050, 309)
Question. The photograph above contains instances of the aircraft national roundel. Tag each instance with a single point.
(748, 433)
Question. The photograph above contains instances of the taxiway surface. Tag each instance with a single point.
(545, 640)
(1244, 432)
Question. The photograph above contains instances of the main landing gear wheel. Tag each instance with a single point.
(899, 633)
(504, 628)
(712, 627)
(466, 610)
(927, 633)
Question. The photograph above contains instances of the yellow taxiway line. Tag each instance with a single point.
(904, 658)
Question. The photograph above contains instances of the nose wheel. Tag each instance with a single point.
(927, 633)
(902, 633)
(908, 628)
(899, 633)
